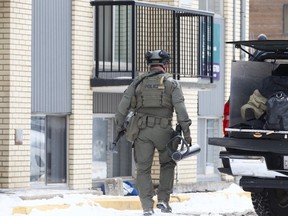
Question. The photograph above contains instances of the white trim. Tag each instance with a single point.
(110, 89)
(210, 117)
(103, 115)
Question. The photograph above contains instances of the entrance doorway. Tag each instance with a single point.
(48, 160)
(107, 163)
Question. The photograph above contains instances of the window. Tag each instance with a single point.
(105, 162)
(48, 149)
(113, 42)
(285, 19)
(102, 137)
(215, 6)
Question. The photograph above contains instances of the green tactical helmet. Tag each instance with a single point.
(157, 57)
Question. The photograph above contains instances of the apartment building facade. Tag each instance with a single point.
(57, 128)
(274, 25)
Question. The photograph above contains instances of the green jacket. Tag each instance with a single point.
(171, 93)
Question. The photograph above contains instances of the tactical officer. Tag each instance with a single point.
(153, 97)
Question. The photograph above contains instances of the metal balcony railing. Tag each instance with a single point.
(125, 30)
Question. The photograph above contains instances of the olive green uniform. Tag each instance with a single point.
(154, 101)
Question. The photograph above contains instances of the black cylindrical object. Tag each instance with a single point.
(179, 155)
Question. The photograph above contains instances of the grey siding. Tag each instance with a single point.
(211, 103)
(105, 102)
(51, 56)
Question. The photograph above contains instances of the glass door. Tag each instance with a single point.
(100, 144)
(48, 154)
(56, 149)
(37, 150)
(107, 163)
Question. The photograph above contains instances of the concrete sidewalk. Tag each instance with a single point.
(97, 198)
(117, 202)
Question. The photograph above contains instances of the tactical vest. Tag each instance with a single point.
(151, 93)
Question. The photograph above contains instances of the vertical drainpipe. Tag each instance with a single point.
(176, 71)
(134, 42)
(243, 25)
(234, 28)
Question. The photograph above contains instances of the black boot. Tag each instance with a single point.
(148, 212)
(164, 206)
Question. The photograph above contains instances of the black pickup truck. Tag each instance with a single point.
(254, 149)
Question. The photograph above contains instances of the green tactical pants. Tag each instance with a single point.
(148, 139)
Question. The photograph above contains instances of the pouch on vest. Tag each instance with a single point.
(132, 130)
(150, 121)
(164, 123)
(277, 112)
(142, 122)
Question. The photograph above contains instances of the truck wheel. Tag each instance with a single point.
(270, 202)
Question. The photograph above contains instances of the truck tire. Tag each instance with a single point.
(270, 202)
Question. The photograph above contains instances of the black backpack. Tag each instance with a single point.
(277, 112)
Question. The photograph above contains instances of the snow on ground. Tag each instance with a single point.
(229, 200)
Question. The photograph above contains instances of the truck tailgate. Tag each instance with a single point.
(259, 145)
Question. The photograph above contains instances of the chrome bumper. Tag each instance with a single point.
(254, 166)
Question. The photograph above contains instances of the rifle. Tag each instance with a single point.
(114, 143)
(122, 132)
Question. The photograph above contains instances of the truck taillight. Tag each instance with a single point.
(226, 117)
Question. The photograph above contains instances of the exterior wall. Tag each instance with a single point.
(267, 18)
(248, 19)
(192, 4)
(229, 36)
(165, 2)
(232, 32)
(15, 91)
(80, 122)
(186, 170)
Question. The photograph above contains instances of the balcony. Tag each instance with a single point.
(125, 30)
